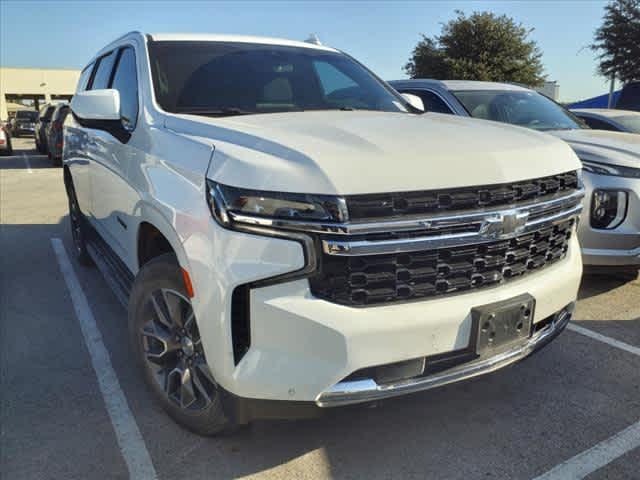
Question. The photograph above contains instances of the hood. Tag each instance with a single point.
(602, 146)
(353, 152)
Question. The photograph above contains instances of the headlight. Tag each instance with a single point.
(608, 208)
(606, 169)
(231, 205)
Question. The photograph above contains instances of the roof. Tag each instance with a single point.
(462, 84)
(476, 85)
(207, 37)
(606, 112)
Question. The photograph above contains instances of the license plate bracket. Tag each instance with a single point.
(502, 324)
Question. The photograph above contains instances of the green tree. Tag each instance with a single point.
(483, 46)
(618, 41)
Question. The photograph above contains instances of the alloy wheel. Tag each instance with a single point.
(172, 350)
(76, 226)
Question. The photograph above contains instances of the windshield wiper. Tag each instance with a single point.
(219, 112)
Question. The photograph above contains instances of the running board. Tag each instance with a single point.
(115, 272)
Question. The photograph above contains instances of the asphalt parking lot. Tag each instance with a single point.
(549, 412)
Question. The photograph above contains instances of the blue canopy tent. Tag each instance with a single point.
(601, 101)
(626, 99)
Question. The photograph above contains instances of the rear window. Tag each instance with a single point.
(27, 115)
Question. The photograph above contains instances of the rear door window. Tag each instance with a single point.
(85, 76)
(103, 71)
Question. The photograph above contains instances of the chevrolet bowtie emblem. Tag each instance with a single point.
(505, 223)
(514, 222)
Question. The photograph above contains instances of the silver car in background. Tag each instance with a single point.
(609, 119)
(609, 230)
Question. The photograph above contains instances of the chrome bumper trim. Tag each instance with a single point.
(358, 391)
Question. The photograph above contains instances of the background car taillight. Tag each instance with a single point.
(608, 208)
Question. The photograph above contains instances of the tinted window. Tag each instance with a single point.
(598, 124)
(125, 80)
(431, 101)
(83, 81)
(215, 78)
(103, 72)
(523, 108)
(332, 79)
(27, 115)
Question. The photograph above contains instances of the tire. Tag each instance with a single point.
(166, 343)
(78, 228)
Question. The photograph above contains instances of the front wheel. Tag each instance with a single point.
(78, 229)
(166, 341)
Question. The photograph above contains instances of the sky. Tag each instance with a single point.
(382, 35)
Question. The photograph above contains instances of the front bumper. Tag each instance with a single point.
(358, 391)
(619, 246)
(301, 347)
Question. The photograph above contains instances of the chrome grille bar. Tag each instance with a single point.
(497, 225)
(431, 223)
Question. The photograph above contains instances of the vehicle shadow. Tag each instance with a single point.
(24, 160)
(595, 284)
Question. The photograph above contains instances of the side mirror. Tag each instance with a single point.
(414, 100)
(97, 105)
(100, 110)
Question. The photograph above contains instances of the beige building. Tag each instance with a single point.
(34, 85)
(550, 89)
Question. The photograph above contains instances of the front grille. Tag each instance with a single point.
(375, 279)
(371, 206)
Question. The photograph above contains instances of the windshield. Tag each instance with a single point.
(523, 108)
(630, 122)
(216, 78)
(27, 115)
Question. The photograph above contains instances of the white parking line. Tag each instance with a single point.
(604, 339)
(130, 440)
(26, 160)
(608, 450)
(596, 457)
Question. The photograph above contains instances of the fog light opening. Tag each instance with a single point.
(608, 208)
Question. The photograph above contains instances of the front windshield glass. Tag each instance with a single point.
(523, 108)
(218, 79)
(630, 122)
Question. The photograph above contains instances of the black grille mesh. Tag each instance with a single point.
(370, 206)
(375, 279)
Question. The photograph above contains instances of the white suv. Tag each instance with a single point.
(288, 231)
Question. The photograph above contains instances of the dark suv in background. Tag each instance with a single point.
(54, 133)
(40, 132)
(24, 122)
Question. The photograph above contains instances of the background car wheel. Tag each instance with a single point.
(166, 341)
(78, 228)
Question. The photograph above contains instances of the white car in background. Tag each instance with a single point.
(610, 228)
(609, 119)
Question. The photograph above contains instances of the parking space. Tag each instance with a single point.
(517, 423)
